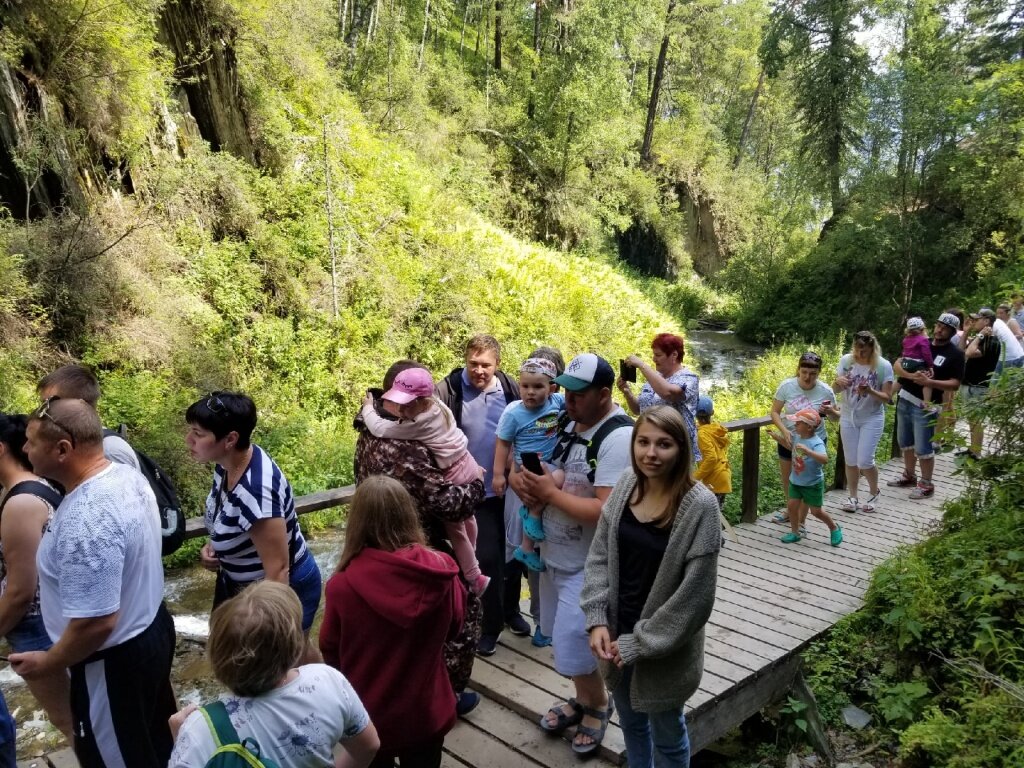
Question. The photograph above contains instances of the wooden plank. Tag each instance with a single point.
(751, 422)
(779, 631)
(523, 736)
(711, 721)
(65, 758)
(473, 747)
(35, 762)
(768, 594)
(858, 553)
(806, 556)
(532, 702)
(785, 584)
(793, 615)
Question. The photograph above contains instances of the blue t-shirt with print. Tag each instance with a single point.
(806, 471)
(532, 431)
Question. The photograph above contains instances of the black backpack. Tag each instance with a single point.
(172, 519)
(566, 440)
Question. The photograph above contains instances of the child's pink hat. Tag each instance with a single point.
(409, 385)
(807, 416)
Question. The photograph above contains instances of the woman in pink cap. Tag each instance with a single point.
(425, 419)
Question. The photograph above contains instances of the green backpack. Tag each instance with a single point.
(231, 751)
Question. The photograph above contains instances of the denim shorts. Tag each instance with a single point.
(915, 428)
(304, 580)
(562, 619)
(29, 635)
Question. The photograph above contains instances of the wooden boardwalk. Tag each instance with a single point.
(772, 600)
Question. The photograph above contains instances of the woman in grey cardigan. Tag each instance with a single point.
(649, 588)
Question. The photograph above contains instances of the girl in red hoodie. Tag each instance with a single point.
(389, 609)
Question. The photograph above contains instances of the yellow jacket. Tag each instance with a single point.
(714, 471)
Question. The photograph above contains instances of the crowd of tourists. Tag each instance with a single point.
(465, 487)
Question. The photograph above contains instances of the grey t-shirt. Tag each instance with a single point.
(118, 450)
(567, 541)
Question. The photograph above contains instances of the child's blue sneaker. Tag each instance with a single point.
(539, 639)
(531, 560)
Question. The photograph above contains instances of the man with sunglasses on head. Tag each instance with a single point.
(78, 382)
(101, 594)
(915, 423)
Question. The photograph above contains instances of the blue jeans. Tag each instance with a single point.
(7, 756)
(652, 738)
(1017, 362)
(915, 428)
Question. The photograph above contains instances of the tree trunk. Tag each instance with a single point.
(659, 76)
(530, 106)
(342, 16)
(331, 249)
(462, 37)
(497, 35)
(748, 121)
(423, 37)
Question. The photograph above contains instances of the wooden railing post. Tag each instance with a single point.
(751, 469)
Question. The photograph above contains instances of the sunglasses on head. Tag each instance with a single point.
(43, 412)
(810, 360)
(215, 404)
(863, 337)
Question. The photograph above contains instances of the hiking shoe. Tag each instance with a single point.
(518, 626)
(487, 646)
(836, 538)
(923, 491)
(466, 702)
(790, 538)
(539, 639)
(903, 481)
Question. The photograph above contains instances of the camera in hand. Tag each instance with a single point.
(531, 463)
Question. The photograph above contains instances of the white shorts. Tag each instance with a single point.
(562, 619)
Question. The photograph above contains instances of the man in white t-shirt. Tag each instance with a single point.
(101, 588)
(570, 520)
(77, 381)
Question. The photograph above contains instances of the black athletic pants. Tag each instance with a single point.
(490, 551)
(121, 698)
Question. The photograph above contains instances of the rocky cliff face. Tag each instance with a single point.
(206, 69)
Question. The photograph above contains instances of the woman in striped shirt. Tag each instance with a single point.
(250, 513)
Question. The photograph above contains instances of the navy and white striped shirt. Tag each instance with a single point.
(263, 492)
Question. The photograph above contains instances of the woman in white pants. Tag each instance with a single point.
(864, 380)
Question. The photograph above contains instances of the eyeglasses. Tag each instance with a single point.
(215, 404)
(810, 360)
(43, 412)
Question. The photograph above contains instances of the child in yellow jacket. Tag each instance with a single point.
(713, 441)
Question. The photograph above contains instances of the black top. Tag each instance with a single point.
(641, 548)
(948, 364)
(977, 370)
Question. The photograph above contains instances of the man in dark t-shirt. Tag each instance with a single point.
(915, 419)
(982, 352)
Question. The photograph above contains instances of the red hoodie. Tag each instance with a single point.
(386, 619)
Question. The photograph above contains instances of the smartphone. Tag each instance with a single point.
(4, 658)
(627, 372)
(531, 463)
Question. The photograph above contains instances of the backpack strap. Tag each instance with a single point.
(33, 488)
(594, 445)
(217, 719)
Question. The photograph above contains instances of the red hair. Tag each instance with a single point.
(669, 343)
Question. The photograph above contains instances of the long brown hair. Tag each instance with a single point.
(382, 515)
(667, 419)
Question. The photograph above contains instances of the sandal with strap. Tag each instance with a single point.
(780, 517)
(564, 720)
(850, 505)
(596, 734)
(869, 505)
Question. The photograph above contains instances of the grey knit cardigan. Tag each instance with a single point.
(666, 647)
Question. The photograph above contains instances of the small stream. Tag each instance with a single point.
(718, 357)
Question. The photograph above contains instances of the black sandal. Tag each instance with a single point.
(564, 720)
(596, 734)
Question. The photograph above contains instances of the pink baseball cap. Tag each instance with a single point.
(409, 385)
(808, 416)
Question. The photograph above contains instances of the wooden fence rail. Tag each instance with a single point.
(751, 480)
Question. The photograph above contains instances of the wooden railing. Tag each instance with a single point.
(751, 480)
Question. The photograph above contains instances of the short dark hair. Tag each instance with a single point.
(72, 382)
(224, 412)
(12, 434)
